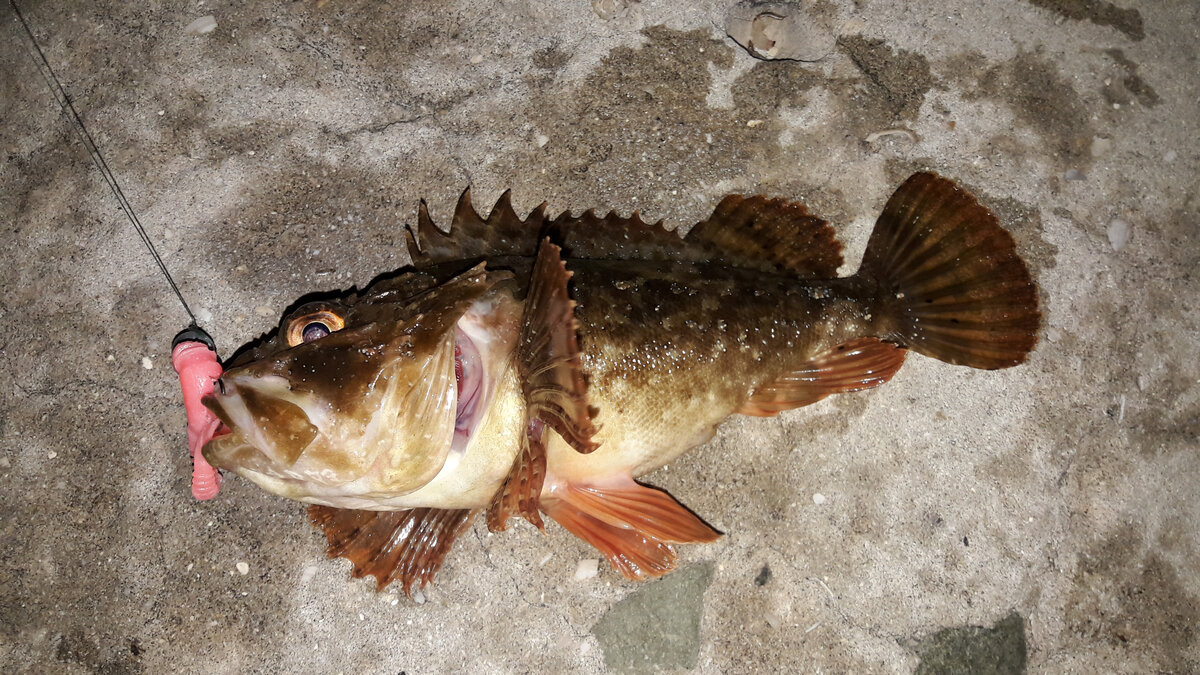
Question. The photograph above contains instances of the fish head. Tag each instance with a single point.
(350, 401)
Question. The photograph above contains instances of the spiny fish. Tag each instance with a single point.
(539, 366)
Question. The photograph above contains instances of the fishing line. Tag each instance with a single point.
(68, 110)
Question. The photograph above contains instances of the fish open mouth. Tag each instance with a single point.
(469, 375)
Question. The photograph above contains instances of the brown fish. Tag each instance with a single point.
(538, 366)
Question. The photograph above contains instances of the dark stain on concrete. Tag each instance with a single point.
(658, 626)
(999, 650)
(76, 649)
(1124, 594)
(1128, 21)
(1044, 100)
(1128, 86)
(899, 78)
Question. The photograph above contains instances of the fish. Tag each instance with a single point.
(537, 366)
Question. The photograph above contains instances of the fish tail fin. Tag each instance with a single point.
(951, 282)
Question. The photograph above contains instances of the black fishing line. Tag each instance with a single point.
(68, 110)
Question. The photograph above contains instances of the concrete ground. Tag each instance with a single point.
(1041, 518)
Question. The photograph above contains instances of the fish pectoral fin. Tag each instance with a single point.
(633, 525)
(851, 366)
(521, 492)
(548, 353)
(406, 545)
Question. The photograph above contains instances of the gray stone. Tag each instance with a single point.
(657, 626)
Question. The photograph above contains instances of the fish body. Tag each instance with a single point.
(536, 366)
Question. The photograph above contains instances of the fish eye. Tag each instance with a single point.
(313, 326)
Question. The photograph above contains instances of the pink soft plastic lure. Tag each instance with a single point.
(196, 362)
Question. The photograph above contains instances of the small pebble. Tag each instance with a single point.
(204, 315)
(147, 363)
(545, 559)
(205, 24)
(754, 123)
(1170, 157)
(477, 59)
(587, 569)
(110, 358)
(243, 568)
(541, 140)
(307, 574)
(5, 463)
(1118, 234)
(418, 596)
(818, 498)
(52, 454)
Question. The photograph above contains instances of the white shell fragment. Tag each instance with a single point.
(588, 568)
(243, 568)
(607, 9)
(205, 24)
(1118, 234)
(779, 30)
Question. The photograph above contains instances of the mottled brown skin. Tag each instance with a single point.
(670, 350)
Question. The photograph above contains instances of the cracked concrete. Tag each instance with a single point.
(279, 155)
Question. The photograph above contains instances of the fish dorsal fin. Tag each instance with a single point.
(406, 545)
(614, 237)
(471, 236)
(769, 235)
(633, 525)
(851, 366)
(759, 233)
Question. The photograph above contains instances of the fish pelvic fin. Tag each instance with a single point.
(521, 492)
(406, 545)
(950, 281)
(859, 364)
(633, 525)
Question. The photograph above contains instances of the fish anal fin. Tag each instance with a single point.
(770, 235)
(409, 546)
(851, 366)
(633, 525)
(522, 488)
(548, 356)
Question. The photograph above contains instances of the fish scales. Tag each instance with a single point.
(672, 350)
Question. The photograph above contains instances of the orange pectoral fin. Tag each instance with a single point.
(851, 366)
(631, 524)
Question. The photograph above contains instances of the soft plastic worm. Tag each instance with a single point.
(198, 368)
